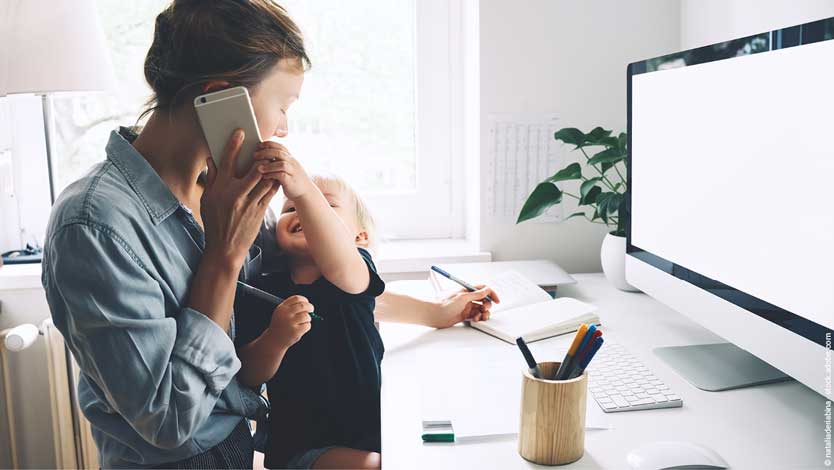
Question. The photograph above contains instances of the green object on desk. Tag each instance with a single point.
(438, 437)
(438, 431)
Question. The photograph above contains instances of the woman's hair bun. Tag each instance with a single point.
(196, 41)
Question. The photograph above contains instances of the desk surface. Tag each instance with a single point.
(778, 426)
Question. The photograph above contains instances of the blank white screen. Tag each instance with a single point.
(732, 163)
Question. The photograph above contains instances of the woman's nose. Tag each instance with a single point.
(282, 131)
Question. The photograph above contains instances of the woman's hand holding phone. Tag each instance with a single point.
(233, 208)
(275, 162)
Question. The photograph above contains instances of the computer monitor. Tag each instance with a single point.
(730, 170)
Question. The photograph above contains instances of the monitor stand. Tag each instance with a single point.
(720, 366)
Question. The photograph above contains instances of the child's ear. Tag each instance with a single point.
(362, 239)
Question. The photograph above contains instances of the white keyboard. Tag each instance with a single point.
(619, 382)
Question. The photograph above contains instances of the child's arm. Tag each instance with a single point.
(457, 307)
(331, 244)
(261, 358)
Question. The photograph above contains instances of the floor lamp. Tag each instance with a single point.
(53, 47)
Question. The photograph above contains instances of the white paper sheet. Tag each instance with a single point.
(482, 400)
(515, 290)
(522, 153)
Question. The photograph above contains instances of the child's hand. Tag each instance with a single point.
(464, 306)
(275, 162)
(291, 320)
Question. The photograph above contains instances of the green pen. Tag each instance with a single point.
(254, 291)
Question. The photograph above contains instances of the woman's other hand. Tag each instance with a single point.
(233, 208)
(275, 162)
(291, 320)
(464, 306)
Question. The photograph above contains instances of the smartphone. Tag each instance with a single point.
(220, 113)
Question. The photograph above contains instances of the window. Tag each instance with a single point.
(83, 122)
(375, 108)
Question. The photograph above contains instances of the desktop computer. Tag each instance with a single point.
(731, 155)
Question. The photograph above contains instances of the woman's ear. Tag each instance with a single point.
(362, 239)
(215, 85)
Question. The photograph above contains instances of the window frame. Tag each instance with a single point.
(435, 210)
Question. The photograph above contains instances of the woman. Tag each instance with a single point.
(144, 252)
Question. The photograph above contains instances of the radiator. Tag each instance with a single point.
(74, 445)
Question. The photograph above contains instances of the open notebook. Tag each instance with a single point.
(526, 310)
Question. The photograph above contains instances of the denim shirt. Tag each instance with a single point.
(157, 378)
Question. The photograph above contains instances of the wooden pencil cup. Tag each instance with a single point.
(552, 417)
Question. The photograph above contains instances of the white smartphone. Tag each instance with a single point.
(220, 113)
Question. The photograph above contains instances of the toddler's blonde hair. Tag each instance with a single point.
(363, 214)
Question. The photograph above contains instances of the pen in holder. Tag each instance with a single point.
(552, 417)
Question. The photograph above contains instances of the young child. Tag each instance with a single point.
(324, 390)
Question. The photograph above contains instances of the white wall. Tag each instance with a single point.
(566, 57)
(709, 21)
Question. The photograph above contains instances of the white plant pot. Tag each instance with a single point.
(612, 255)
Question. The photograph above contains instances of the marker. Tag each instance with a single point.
(583, 364)
(586, 339)
(574, 346)
(528, 356)
(438, 431)
(584, 351)
(464, 284)
(584, 348)
(576, 356)
(266, 296)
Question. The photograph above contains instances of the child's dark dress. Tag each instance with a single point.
(326, 392)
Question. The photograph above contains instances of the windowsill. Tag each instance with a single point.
(411, 259)
(20, 276)
(401, 259)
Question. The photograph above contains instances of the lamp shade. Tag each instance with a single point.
(54, 46)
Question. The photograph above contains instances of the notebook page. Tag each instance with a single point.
(512, 287)
(515, 290)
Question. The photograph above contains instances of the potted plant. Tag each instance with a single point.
(601, 195)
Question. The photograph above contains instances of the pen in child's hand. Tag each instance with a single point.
(255, 292)
(464, 284)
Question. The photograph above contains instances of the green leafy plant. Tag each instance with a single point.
(602, 190)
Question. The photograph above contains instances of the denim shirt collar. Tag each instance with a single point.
(142, 178)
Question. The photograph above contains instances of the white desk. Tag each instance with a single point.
(778, 426)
